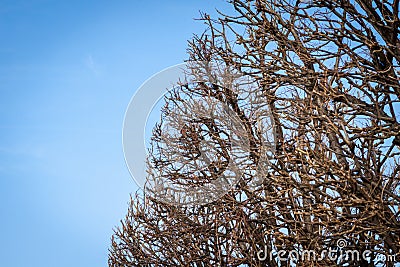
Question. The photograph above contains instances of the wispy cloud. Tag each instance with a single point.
(92, 65)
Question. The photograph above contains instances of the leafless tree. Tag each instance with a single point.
(329, 71)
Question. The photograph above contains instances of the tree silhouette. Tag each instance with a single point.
(329, 73)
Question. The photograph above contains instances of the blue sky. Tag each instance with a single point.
(67, 72)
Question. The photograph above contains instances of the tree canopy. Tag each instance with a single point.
(329, 73)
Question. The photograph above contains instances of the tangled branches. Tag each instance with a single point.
(329, 71)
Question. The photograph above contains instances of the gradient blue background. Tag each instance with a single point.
(67, 72)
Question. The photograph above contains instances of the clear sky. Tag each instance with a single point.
(67, 72)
